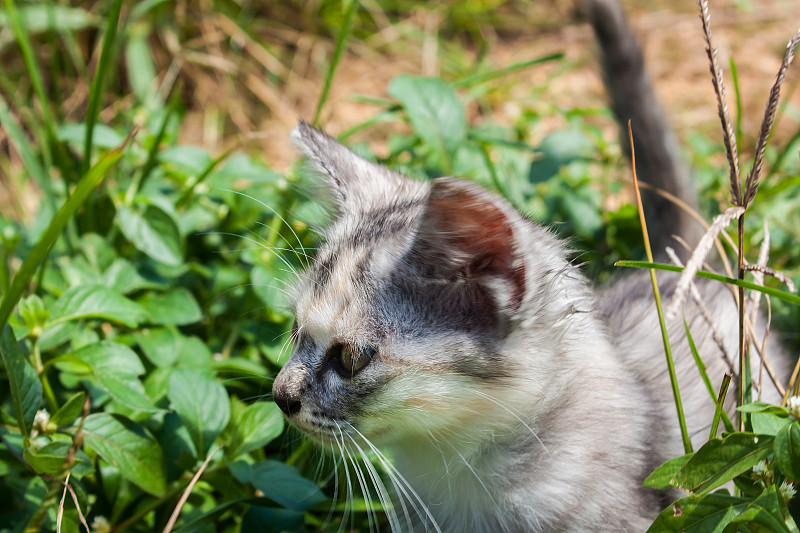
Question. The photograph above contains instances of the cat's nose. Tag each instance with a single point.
(286, 392)
(288, 405)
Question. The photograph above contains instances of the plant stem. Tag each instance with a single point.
(743, 359)
(50, 397)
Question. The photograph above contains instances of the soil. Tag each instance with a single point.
(754, 32)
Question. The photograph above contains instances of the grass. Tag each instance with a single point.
(150, 277)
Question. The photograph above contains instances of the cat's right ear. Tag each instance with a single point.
(350, 182)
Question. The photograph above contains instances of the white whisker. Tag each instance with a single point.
(404, 486)
(512, 413)
(282, 220)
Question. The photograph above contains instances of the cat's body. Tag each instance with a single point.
(439, 324)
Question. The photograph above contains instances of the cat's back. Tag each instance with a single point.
(628, 309)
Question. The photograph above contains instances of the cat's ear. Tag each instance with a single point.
(471, 232)
(351, 182)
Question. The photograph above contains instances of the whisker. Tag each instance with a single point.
(474, 473)
(383, 494)
(335, 489)
(404, 483)
(280, 217)
(512, 413)
(349, 496)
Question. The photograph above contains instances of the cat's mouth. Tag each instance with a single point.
(319, 429)
(327, 431)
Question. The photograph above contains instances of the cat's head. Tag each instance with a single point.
(403, 319)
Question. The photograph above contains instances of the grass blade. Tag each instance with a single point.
(85, 186)
(475, 79)
(781, 295)
(701, 367)
(723, 391)
(98, 83)
(341, 40)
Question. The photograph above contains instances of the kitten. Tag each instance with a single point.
(439, 325)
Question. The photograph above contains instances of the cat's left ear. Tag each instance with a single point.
(471, 233)
(351, 183)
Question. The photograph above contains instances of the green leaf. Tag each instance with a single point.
(763, 407)
(129, 448)
(768, 423)
(557, 150)
(51, 17)
(721, 460)
(123, 277)
(202, 404)
(68, 412)
(787, 450)
(49, 458)
(96, 301)
(115, 367)
(266, 284)
(153, 232)
(141, 71)
(268, 519)
(712, 513)
(188, 160)
(26, 391)
(434, 111)
(283, 484)
(111, 357)
(103, 136)
(257, 425)
(160, 345)
(177, 307)
(662, 477)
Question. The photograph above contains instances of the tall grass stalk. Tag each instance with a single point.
(98, 83)
(673, 378)
(341, 41)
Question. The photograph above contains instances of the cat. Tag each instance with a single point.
(439, 326)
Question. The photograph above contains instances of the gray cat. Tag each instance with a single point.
(442, 328)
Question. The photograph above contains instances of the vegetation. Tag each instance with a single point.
(142, 311)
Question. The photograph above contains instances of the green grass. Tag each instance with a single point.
(150, 278)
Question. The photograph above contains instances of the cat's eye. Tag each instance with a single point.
(351, 359)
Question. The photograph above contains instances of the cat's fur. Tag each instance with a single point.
(511, 394)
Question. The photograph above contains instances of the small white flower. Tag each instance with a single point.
(761, 471)
(41, 420)
(100, 524)
(787, 490)
(793, 404)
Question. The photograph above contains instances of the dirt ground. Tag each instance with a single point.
(753, 32)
